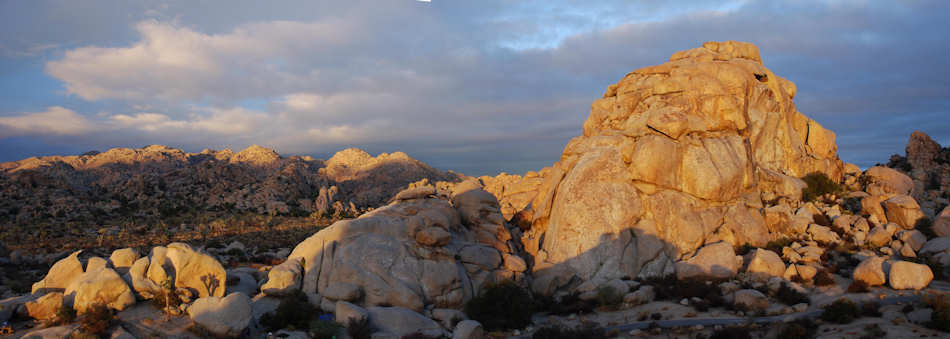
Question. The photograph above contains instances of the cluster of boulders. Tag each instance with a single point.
(423, 256)
(160, 181)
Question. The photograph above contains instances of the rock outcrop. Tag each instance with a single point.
(672, 158)
(379, 258)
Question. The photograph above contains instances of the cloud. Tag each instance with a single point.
(477, 86)
(55, 120)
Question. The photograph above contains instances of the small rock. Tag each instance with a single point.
(468, 329)
(751, 300)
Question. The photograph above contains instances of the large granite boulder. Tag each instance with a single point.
(380, 257)
(882, 180)
(672, 158)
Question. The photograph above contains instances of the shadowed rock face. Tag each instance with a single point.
(673, 158)
(159, 181)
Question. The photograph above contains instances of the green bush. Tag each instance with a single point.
(842, 311)
(502, 306)
(818, 185)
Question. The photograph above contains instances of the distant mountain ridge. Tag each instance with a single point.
(161, 181)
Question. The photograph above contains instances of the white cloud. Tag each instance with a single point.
(177, 63)
(54, 121)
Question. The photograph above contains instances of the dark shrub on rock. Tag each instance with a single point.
(818, 185)
(502, 306)
(842, 311)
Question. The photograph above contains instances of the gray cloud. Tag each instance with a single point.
(479, 87)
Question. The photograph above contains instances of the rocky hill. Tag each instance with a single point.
(159, 182)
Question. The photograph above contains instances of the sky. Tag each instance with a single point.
(479, 87)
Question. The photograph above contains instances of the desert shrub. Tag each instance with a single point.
(294, 312)
(502, 306)
(853, 205)
(358, 329)
(818, 185)
(803, 328)
(907, 308)
(325, 328)
(731, 333)
(567, 304)
(842, 311)
(940, 318)
(671, 288)
(166, 297)
(900, 163)
(790, 296)
(561, 332)
(858, 286)
(873, 331)
(96, 320)
(871, 309)
(823, 278)
(608, 296)
(65, 315)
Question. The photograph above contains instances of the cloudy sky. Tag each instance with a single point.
(475, 86)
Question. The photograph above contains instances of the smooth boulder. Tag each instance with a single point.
(228, 316)
(102, 286)
(905, 275)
